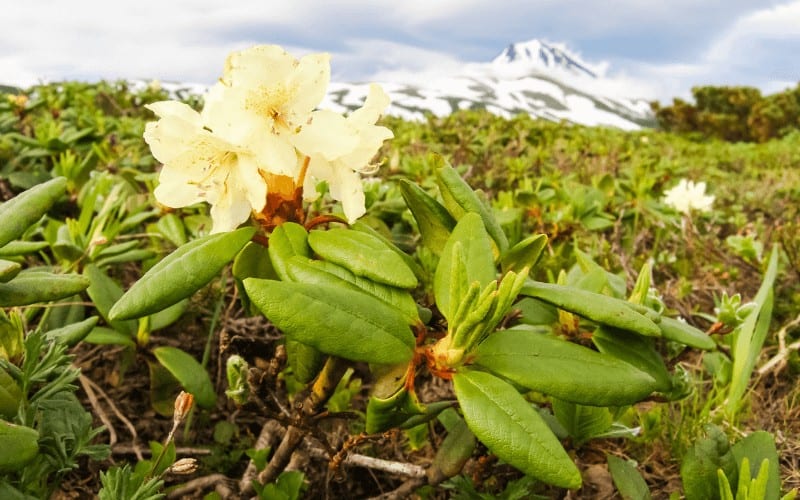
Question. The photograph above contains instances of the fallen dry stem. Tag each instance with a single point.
(778, 361)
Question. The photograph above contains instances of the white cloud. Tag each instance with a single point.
(188, 40)
(774, 24)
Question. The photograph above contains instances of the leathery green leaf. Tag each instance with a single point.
(322, 272)
(286, 241)
(180, 274)
(594, 306)
(478, 263)
(32, 287)
(8, 270)
(433, 220)
(362, 254)
(20, 445)
(22, 211)
(684, 333)
(104, 292)
(635, 350)
(524, 254)
(305, 361)
(460, 199)
(335, 320)
(512, 429)
(562, 369)
(191, 374)
(70, 335)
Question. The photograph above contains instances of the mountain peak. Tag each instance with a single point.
(540, 55)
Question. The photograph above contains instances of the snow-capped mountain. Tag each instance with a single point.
(539, 56)
(542, 79)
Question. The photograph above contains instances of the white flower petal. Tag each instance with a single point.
(374, 105)
(275, 155)
(310, 82)
(260, 65)
(249, 182)
(328, 135)
(350, 192)
(177, 109)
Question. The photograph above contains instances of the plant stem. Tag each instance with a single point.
(321, 390)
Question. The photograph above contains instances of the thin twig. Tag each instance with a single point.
(357, 460)
(778, 361)
(270, 433)
(119, 415)
(101, 414)
(201, 483)
(126, 449)
(322, 389)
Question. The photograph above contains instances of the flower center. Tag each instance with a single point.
(272, 103)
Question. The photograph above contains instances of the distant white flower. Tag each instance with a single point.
(201, 166)
(688, 196)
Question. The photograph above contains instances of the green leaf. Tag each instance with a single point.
(599, 308)
(580, 421)
(512, 429)
(524, 254)
(8, 270)
(562, 369)
(10, 395)
(168, 316)
(18, 248)
(321, 272)
(757, 447)
(70, 335)
(337, 321)
(627, 479)
(456, 448)
(749, 337)
(20, 445)
(362, 254)
(460, 199)
(384, 413)
(700, 464)
(180, 274)
(254, 262)
(635, 350)
(434, 221)
(453, 277)
(105, 292)
(32, 287)
(101, 335)
(286, 241)
(136, 255)
(191, 374)
(683, 333)
(305, 361)
(22, 211)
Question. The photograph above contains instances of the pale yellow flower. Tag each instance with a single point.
(259, 145)
(687, 196)
(264, 99)
(199, 165)
(341, 166)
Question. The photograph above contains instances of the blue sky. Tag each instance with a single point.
(654, 50)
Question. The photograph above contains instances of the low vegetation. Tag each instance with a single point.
(655, 345)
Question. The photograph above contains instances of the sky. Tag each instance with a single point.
(652, 50)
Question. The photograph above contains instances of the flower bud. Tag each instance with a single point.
(183, 403)
(184, 466)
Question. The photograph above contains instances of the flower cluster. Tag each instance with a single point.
(688, 196)
(260, 145)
